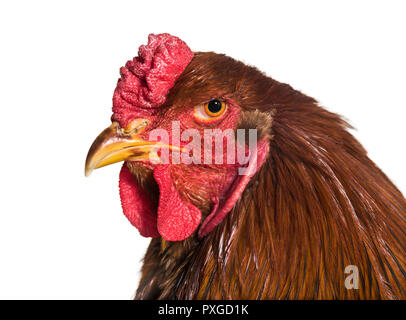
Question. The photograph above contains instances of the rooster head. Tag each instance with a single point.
(192, 130)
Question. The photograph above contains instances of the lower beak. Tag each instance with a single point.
(115, 144)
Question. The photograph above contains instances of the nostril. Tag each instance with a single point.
(135, 126)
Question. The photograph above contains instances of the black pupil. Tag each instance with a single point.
(214, 106)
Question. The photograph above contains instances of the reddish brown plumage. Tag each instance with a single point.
(317, 205)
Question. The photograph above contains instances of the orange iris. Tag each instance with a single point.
(215, 110)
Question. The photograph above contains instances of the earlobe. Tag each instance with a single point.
(222, 207)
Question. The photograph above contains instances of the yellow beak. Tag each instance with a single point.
(115, 144)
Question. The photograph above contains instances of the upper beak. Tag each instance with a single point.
(115, 144)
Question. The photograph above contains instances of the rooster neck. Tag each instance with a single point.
(256, 253)
(318, 205)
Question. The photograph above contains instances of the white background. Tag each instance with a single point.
(63, 236)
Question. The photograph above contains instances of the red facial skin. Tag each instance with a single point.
(200, 185)
(207, 181)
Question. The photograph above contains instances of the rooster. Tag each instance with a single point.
(309, 204)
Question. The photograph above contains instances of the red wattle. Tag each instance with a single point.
(177, 218)
(136, 204)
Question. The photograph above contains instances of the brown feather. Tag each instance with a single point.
(317, 205)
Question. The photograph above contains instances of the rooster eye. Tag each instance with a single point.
(214, 107)
(211, 110)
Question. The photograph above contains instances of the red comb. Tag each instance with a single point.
(146, 80)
